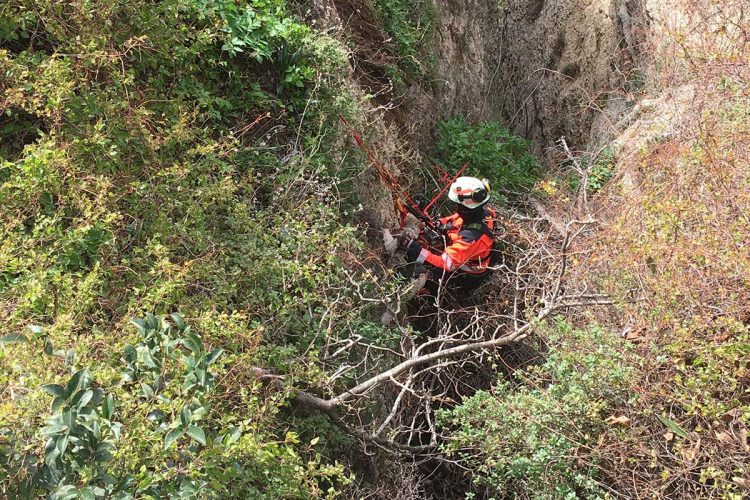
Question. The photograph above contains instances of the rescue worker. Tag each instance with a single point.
(468, 240)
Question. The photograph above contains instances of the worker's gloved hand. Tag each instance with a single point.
(390, 244)
(431, 234)
(412, 251)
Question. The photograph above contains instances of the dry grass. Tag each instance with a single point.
(674, 249)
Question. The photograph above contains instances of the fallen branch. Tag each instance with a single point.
(330, 407)
(327, 407)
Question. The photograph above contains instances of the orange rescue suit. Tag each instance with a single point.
(468, 246)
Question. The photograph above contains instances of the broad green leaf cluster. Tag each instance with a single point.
(80, 441)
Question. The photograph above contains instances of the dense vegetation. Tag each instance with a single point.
(529, 436)
(157, 157)
(178, 208)
(408, 25)
(666, 417)
(491, 150)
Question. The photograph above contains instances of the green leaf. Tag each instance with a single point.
(62, 444)
(98, 397)
(197, 433)
(12, 338)
(232, 436)
(96, 430)
(51, 455)
(189, 361)
(82, 398)
(57, 404)
(79, 379)
(145, 357)
(172, 436)
(116, 429)
(214, 356)
(55, 390)
(53, 429)
(100, 492)
(86, 494)
(673, 426)
(139, 324)
(185, 415)
(108, 408)
(147, 390)
(69, 417)
(105, 447)
(193, 343)
(130, 353)
(178, 321)
(152, 321)
(103, 456)
(50, 445)
(202, 376)
(64, 492)
(122, 484)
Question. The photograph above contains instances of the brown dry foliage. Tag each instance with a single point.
(678, 232)
(675, 251)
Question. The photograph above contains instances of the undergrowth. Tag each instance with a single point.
(186, 155)
(673, 253)
(490, 150)
(409, 25)
(177, 155)
(532, 436)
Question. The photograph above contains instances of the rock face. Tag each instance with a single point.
(566, 67)
(546, 68)
(466, 38)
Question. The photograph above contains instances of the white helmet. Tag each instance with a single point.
(470, 191)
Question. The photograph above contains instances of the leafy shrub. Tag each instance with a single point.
(80, 440)
(266, 31)
(710, 378)
(168, 443)
(531, 437)
(156, 157)
(489, 149)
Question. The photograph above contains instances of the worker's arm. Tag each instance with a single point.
(456, 255)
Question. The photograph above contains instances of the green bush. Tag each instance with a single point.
(161, 156)
(80, 441)
(532, 437)
(490, 150)
(166, 442)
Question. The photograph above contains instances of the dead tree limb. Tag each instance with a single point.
(331, 406)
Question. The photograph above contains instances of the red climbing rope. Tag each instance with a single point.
(403, 203)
